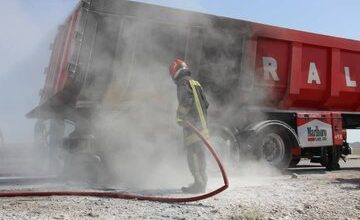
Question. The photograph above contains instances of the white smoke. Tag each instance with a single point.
(139, 140)
(24, 53)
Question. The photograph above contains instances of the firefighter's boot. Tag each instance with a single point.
(197, 166)
(194, 188)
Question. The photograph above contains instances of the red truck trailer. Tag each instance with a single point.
(288, 94)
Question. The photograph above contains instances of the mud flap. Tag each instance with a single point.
(330, 157)
(333, 158)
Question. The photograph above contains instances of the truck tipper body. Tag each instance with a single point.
(292, 94)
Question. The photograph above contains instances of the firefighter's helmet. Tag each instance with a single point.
(176, 67)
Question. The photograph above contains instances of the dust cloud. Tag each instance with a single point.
(24, 53)
(132, 133)
(138, 139)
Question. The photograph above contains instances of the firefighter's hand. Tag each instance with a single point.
(180, 122)
(181, 115)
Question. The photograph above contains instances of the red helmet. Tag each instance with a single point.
(176, 67)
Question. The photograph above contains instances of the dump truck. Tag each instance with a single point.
(288, 94)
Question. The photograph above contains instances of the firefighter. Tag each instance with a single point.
(193, 108)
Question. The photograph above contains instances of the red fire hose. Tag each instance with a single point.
(135, 197)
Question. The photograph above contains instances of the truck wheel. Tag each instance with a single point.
(330, 157)
(41, 135)
(273, 144)
(225, 144)
(48, 139)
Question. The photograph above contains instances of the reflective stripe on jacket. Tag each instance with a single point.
(192, 107)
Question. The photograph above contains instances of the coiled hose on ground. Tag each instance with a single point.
(132, 196)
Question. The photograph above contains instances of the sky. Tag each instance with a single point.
(29, 26)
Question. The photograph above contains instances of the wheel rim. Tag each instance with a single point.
(273, 148)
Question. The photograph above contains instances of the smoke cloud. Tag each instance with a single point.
(27, 32)
(133, 130)
(134, 127)
(24, 54)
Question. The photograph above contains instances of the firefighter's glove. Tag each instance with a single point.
(180, 122)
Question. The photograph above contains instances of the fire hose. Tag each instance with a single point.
(133, 196)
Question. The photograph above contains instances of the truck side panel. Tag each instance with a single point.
(294, 69)
(307, 71)
(57, 74)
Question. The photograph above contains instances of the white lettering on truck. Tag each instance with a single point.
(270, 71)
(270, 68)
(313, 74)
(349, 82)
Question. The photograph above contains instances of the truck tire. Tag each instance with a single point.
(41, 135)
(333, 154)
(48, 136)
(330, 157)
(274, 144)
(225, 144)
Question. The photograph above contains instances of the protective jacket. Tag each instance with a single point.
(192, 107)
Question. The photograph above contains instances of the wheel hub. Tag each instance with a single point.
(273, 148)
